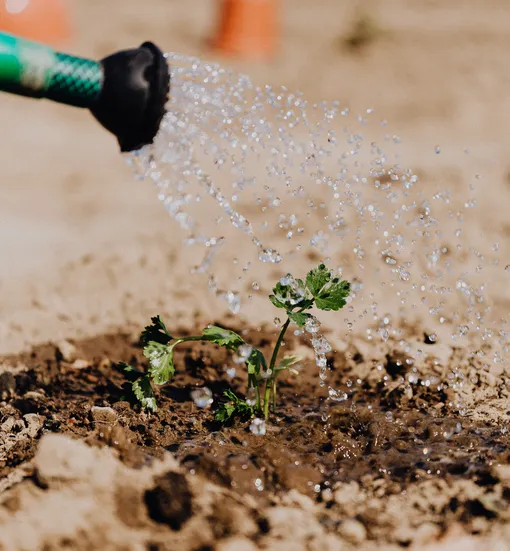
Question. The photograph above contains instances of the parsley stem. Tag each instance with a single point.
(272, 378)
(193, 338)
(252, 383)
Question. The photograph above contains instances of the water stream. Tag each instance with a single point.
(258, 178)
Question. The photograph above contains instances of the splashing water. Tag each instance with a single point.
(202, 397)
(257, 176)
(258, 427)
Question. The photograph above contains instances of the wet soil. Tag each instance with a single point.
(388, 451)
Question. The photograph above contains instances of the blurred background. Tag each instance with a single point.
(84, 247)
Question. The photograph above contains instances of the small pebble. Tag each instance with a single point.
(80, 364)
(346, 495)
(103, 416)
(426, 533)
(353, 531)
(67, 350)
(34, 423)
(34, 394)
(8, 425)
(327, 495)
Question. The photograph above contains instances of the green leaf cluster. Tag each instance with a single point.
(321, 288)
(158, 348)
(329, 292)
(235, 407)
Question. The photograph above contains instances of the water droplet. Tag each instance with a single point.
(321, 345)
(202, 397)
(251, 396)
(463, 330)
(258, 427)
(404, 275)
(242, 353)
(231, 372)
(234, 302)
(266, 374)
(337, 396)
(270, 255)
(312, 324)
(321, 361)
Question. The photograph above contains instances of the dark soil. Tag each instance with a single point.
(381, 444)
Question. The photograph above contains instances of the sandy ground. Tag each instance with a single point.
(86, 249)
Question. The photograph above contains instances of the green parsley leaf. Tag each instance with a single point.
(225, 412)
(161, 361)
(329, 292)
(234, 408)
(276, 302)
(254, 361)
(290, 295)
(231, 395)
(143, 391)
(288, 361)
(156, 332)
(132, 371)
(317, 278)
(222, 337)
(299, 317)
(332, 296)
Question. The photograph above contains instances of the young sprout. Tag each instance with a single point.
(321, 289)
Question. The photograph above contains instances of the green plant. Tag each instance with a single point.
(321, 289)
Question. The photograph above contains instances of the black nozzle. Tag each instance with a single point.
(134, 94)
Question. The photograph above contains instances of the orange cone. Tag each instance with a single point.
(247, 28)
(45, 21)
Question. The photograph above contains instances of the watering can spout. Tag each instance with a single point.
(126, 92)
(133, 96)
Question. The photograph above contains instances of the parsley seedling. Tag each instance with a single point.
(321, 289)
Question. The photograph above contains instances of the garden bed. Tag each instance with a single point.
(392, 464)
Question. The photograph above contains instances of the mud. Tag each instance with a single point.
(395, 463)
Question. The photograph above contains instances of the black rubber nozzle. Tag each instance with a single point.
(134, 94)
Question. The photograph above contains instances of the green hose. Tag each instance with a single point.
(126, 91)
(35, 70)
